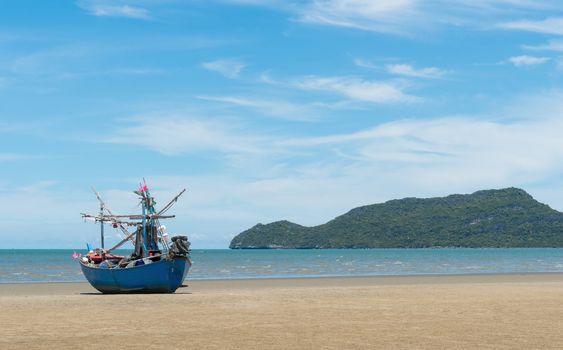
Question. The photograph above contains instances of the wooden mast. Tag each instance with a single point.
(106, 208)
(102, 223)
(145, 245)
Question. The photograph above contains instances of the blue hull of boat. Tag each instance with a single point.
(164, 276)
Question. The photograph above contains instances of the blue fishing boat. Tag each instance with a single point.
(155, 266)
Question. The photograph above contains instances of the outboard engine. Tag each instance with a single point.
(180, 246)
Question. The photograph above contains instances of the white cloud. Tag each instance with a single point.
(57, 211)
(266, 78)
(553, 45)
(131, 71)
(257, 2)
(13, 127)
(526, 60)
(173, 135)
(4, 157)
(364, 63)
(230, 68)
(452, 153)
(420, 158)
(403, 69)
(280, 4)
(107, 10)
(279, 109)
(51, 61)
(379, 16)
(310, 180)
(410, 17)
(407, 157)
(409, 71)
(552, 25)
(357, 89)
(77, 60)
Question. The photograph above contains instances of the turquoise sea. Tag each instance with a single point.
(25, 266)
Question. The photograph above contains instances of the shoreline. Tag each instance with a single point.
(69, 288)
(331, 276)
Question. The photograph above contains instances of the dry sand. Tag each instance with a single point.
(441, 312)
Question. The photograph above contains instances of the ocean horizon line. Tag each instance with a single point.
(57, 265)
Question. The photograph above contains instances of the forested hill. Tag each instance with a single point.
(493, 218)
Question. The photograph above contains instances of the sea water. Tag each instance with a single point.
(26, 266)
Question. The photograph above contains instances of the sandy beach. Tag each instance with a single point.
(428, 312)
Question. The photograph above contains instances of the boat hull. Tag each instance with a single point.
(164, 276)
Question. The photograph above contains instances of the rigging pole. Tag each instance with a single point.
(105, 207)
(171, 203)
(145, 243)
(102, 223)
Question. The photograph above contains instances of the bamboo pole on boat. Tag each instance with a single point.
(102, 203)
(137, 216)
(102, 224)
(171, 203)
(164, 209)
(130, 236)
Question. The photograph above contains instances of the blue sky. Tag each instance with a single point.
(269, 110)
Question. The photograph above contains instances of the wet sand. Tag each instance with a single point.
(521, 311)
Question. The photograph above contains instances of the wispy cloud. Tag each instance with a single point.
(113, 10)
(552, 25)
(12, 157)
(178, 134)
(378, 16)
(75, 59)
(409, 17)
(257, 2)
(50, 61)
(230, 68)
(486, 152)
(407, 157)
(409, 71)
(5, 157)
(357, 89)
(525, 60)
(339, 171)
(360, 62)
(402, 69)
(279, 109)
(553, 45)
(24, 128)
(53, 206)
(132, 71)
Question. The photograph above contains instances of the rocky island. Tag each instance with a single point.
(491, 218)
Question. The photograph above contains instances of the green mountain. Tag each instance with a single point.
(492, 218)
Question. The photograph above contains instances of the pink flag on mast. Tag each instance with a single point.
(143, 187)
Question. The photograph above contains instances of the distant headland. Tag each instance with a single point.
(491, 218)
